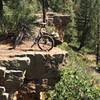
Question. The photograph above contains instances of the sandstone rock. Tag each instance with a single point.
(17, 73)
(13, 83)
(2, 72)
(17, 63)
(60, 22)
(45, 66)
(2, 89)
(14, 79)
(37, 65)
(4, 96)
(2, 75)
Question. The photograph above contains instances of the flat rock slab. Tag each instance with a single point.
(37, 64)
(25, 49)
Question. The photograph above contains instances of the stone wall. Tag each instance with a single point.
(28, 66)
(12, 74)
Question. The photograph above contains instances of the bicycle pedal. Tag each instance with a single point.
(12, 48)
(32, 45)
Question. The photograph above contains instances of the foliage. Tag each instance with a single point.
(61, 6)
(74, 58)
(65, 7)
(86, 17)
(15, 12)
(75, 82)
(86, 13)
(74, 85)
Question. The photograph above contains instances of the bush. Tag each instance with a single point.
(15, 12)
(75, 84)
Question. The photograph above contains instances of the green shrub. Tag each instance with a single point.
(75, 84)
(15, 12)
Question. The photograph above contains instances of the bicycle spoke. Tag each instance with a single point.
(45, 43)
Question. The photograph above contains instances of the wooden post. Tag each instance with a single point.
(44, 11)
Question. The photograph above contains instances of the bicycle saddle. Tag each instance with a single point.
(43, 23)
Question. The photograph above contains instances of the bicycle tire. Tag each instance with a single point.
(43, 41)
(18, 40)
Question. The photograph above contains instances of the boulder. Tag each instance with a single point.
(60, 22)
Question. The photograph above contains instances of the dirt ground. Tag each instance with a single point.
(6, 51)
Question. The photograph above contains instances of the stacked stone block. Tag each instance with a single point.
(38, 67)
(12, 74)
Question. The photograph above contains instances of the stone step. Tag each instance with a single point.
(39, 66)
(4, 96)
(17, 73)
(2, 72)
(2, 89)
(14, 79)
(16, 63)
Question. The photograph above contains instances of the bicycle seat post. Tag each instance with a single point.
(42, 25)
(44, 11)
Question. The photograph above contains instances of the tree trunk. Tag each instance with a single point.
(1, 7)
(84, 31)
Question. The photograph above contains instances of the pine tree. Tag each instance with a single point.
(87, 22)
(1, 7)
(15, 11)
(83, 22)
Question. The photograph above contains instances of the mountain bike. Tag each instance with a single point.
(43, 39)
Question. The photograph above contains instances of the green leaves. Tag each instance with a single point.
(15, 11)
(86, 18)
(75, 84)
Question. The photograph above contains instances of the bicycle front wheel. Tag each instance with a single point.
(45, 43)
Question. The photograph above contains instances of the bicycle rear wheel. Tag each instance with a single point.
(18, 40)
(45, 43)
